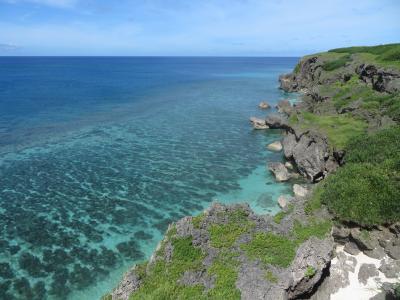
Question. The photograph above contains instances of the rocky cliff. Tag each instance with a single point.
(303, 252)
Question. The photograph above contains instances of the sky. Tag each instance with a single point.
(194, 27)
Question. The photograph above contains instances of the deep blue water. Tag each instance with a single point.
(98, 155)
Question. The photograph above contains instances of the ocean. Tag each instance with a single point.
(99, 154)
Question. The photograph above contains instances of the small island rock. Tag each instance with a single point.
(263, 105)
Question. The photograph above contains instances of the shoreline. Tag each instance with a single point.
(260, 266)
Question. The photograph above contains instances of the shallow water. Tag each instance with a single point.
(99, 155)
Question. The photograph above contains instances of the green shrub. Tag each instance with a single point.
(362, 193)
(375, 148)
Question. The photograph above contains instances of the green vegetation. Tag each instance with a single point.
(366, 189)
(225, 235)
(280, 215)
(196, 221)
(331, 65)
(397, 290)
(386, 55)
(315, 227)
(310, 272)
(339, 129)
(271, 277)
(271, 249)
(160, 282)
(314, 203)
(224, 268)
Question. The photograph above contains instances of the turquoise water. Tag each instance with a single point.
(98, 156)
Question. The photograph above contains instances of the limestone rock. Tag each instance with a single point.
(258, 123)
(264, 105)
(310, 151)
(282, 201)
(275, 146)
(315, 255)
(279, 170)
(129, 283)
(289, 165)
(367, 271)
(390, 267)
(284, 107)
(299, 191)
(277, 121)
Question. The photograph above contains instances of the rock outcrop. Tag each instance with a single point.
(311, 152)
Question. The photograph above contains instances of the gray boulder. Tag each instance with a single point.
(312, 259)
(279, 170)
(367, 271)
(277, 121)
(311, 153)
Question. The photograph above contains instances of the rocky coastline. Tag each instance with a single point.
(303, 252)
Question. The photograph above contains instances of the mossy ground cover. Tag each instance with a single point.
(339, 129)
(366, 190)
(282, 214)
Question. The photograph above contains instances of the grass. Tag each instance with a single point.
(225, 235)
(314, 203)
(197, 220)
(280, 215)
(315, 227)
(271, 249)
(337, 63)
(225, 270)
(160, 282)
(339, 129)
(366, 190)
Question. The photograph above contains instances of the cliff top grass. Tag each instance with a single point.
(339, 129)
(366, 189)
(383, 55)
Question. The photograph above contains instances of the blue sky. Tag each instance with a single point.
(193, 27)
